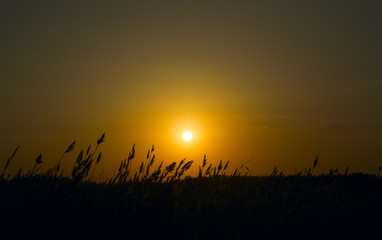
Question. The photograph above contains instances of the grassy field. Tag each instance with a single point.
(160, 203)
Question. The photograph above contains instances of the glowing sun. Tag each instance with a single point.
(187, 136)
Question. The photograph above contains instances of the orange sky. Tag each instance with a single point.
(270, 83)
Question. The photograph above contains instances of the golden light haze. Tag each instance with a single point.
(272, 83)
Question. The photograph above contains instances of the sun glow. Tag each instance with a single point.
(187, 133)
(187, 136)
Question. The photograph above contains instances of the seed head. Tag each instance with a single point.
(71, 147)
(38, 159)
(102, 139)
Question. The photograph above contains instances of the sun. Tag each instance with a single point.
(187, 136)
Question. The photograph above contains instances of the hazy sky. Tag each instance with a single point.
(272, 82)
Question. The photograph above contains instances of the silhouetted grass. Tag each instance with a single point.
(156, 202)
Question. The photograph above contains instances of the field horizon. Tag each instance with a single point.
(88, 161)
(163, 202)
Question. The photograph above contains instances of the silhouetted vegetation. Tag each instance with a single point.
(156, 202)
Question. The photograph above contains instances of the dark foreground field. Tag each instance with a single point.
(271, 207)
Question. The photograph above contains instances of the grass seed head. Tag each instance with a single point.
(38, 159)
(87, 151)
(225, 166)
(70, 147)
(99, 157)
(101, 140)
(220, 165)
(79, 158)
(171, 167)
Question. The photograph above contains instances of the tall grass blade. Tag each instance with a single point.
(9, 160)
(315, 161)
(87, 151)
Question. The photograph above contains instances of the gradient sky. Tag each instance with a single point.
(269, 82)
